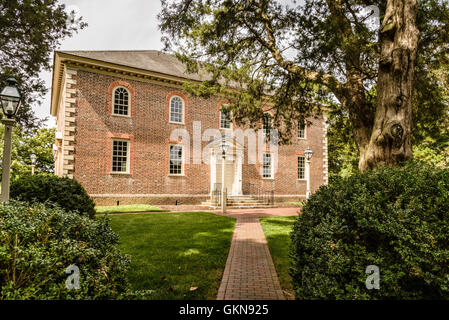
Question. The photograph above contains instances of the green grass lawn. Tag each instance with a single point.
(296, 203)
(127, 208)
(172, 252)
(277, 231)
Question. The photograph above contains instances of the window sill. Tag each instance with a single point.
(267, 178)
(179, 123)
(120, 173)
(176, 175)
(302, 138)
(121, 116)
(301, 179)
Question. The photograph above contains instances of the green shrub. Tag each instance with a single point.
(394, 218)
(65, 192)
(38, 243)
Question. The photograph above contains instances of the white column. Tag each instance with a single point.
(237, 186)
(308, 179)
(213, 170)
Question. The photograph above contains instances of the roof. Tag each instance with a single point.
(151, 60)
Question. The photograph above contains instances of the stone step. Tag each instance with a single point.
(239, 205)
(242, 207)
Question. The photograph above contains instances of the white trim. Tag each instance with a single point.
(297, 168)
(183, 110)
(305, 131)
(271, 177)
(231, 124)
(128, 156)
(182, 161)
(128, 115)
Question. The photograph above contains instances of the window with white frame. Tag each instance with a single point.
(121, 102)
(225, 119)
(267, 166)
(302, 128)
(301, 168)
(176, 109)
(175, 160)
(120, 156)
(267, 123)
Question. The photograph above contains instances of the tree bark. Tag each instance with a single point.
(390, 142)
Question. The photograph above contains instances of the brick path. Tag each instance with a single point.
(249, 273)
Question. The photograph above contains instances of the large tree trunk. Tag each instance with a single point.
(390, 138)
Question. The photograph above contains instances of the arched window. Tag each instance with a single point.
(302, 128)
(225, 119)
(267, 123)
(176, 109)
(121, 102)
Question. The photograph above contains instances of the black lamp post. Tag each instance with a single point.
(10, 102)
(224, 147)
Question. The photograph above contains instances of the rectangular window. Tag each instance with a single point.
(301, 129)
(301, 168)
(225, 120)
(176, 160)
(267, 167)
(120, 156)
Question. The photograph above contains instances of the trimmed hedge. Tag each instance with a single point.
(38, 243)
(67, 193)
(394, 218)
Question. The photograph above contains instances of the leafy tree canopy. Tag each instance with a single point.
(31, 30)
(301, 52)
(40, 142)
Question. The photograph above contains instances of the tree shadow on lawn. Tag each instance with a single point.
(174, 252)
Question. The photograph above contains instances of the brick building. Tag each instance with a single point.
(127, 132)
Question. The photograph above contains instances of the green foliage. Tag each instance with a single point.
(298, 52)
(31, 30)
(67, 193)
(38, 243)
(37, 141)
(394, 218)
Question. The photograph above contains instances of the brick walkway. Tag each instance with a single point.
(249, 273)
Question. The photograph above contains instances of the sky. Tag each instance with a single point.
(112, 25)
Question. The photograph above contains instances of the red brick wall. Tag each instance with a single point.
(150, 130)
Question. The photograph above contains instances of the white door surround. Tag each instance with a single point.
(233, 166)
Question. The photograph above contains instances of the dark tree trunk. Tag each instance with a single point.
(389, 143)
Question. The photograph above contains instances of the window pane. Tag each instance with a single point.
(225, 120)
(267, 165)
(301, 129)
(121, 101)
(175, 160)
(176, 109)
(266, 125)
(119, 156)
(301, 168)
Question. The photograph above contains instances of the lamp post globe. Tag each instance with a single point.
(10, 102)
(10, 98)
(308, 153)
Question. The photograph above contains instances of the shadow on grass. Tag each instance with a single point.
(174, 252)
